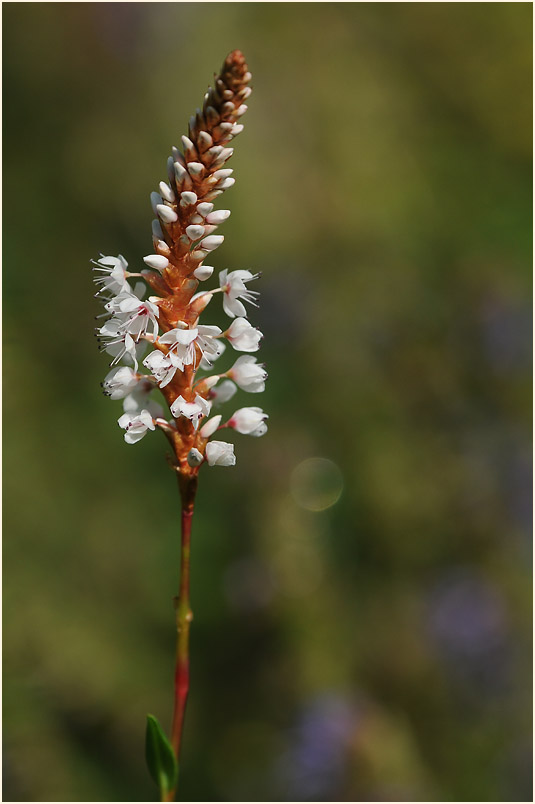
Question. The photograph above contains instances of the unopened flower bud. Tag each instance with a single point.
(194, 232)
(249, 421)
(203, 272)
(157, 261)
(223, 174)
(211, 426)
(166, 192)
(205, 139)
(180, 172)
(195, 457)
(187, 198)
(243, 336)
(218, 216)
(205, 208)
(212, 242)
(195, 168)
(157, 230)
(225, 154)
(248, 374)
(166, 213)
(226, 183)
(155, 199)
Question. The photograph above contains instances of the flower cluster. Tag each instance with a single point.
(161, 333)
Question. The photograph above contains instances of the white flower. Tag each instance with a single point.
(220, 453)
(243, 336)
(249, 421)
(210, 427)
(248, 374)
(112, 274)
(234, 288)
(119, 382)
(134, 314)
(136, 425)
(117, 342)
(194, 411)
(126, 349)
(163, 367)
(131, 318)
(183, 342)
(223, 392)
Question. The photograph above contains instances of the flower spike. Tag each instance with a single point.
(183, 236)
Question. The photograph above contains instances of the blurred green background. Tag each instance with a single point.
(362, 622)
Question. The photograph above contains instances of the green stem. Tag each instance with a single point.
(184, 616)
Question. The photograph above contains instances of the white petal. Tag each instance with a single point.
(233, 307)
(204, 404)
(186, 336)
(223, 392)
(146, 418)
(133, 436)
(209, 330)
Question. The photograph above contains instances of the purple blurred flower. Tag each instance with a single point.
(468, 623)
(312, 768)
(506, 330)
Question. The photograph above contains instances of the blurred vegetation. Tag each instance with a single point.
(378, 648)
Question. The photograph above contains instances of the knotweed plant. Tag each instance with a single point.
(158, 344)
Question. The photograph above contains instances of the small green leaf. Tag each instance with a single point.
(160, 757)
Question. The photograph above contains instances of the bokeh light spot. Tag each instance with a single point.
(316, 484)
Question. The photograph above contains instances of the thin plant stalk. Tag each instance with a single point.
(184, 616)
